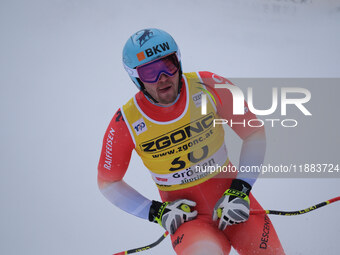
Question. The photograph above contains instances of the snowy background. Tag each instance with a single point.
(61, 81)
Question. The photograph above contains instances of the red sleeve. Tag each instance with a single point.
(116, 150)
(224, 105)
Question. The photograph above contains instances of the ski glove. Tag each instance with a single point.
(233, 206)
(170, 215)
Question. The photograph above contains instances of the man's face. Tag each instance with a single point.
(165, 90)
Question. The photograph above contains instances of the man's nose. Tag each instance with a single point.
(163, 77)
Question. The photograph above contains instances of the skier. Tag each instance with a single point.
(205, 211)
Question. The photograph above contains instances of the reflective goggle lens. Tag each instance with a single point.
(151, 72)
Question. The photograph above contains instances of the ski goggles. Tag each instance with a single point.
(150, 72)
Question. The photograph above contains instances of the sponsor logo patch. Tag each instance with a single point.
(159, 48)
(197, 98)
(139, 126)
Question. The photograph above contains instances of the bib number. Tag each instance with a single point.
(178, 163)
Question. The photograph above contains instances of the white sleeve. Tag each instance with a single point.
(251, 158)
(127, 198)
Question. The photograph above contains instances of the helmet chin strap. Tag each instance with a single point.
(180, 83)
(147, 94)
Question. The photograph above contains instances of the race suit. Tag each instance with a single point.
(186, 155)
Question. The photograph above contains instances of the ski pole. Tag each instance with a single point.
(293, 213)
(146, 247)
(274, 212)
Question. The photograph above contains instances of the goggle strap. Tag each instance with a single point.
(131, 71)
(178, 54)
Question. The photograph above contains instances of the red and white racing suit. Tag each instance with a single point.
(172, 141)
